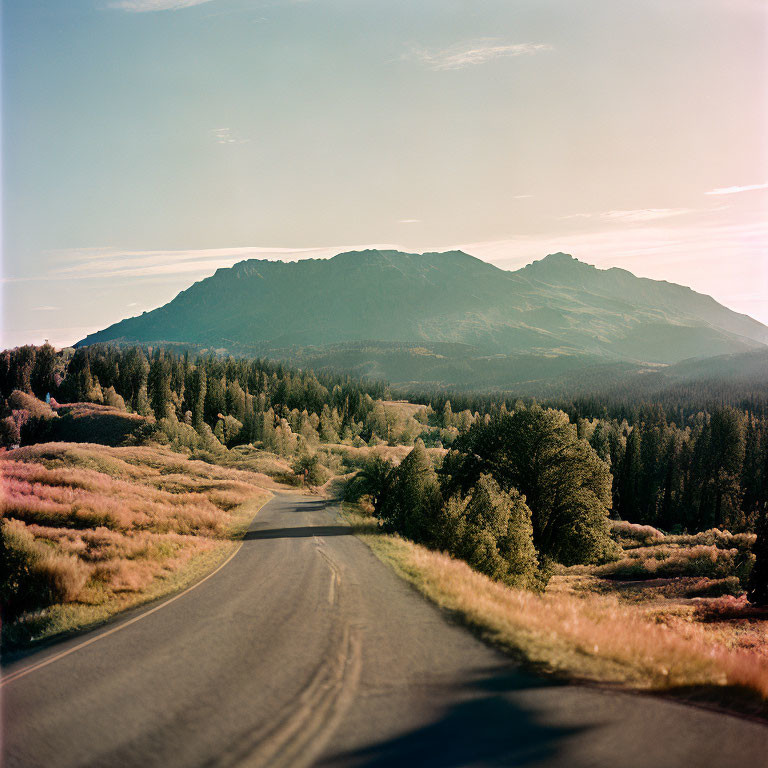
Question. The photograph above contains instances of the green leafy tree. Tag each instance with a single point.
(328, 426)
(235, 400)
(566, 485)
(447, 414)
(494, 533)
(373, 480)
(215, 399)
(717, 480)
(630, 471)
(22, 367)
(308, 468)
(112, 398)
(198, 393)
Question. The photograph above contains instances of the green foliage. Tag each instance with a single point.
(491, 530)
(232, 430)
(412, 503)
(374, 480)
(308, 468)
(565, 483)
(674, 467)
(43, 375)
(179, 434)
(10, 432)
(113, 399)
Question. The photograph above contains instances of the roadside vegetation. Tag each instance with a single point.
(622, 546)
(511, 532)
(89, 530)
(663, 636)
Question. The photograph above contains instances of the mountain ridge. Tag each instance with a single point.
(555, 305)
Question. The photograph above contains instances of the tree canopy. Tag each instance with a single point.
(537, 453)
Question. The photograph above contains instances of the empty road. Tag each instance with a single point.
(304, 649)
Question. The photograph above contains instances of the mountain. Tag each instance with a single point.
(557, 306)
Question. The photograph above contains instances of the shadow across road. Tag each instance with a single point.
(298, 532)
(487, 727)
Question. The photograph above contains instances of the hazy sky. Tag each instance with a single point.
(147, 142)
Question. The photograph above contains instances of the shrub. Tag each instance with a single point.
(18, 400)
(634, 535)
(83, 522)
(374, 480)
(10, 432)
(667, 561)
(112, 398)
(308, 467)
(757, 589)
(715, 537)
(730, 585)
(34, 575)
(491, 530)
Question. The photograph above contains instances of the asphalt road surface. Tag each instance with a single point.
(305, 649)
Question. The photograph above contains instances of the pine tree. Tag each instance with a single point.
(447, 415)
(42, 380)
(498, 535)
(159, 386)
(199, 389)
(412, 506)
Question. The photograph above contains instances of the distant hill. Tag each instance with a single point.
(365, 301)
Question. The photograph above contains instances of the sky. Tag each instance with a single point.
(146, 143)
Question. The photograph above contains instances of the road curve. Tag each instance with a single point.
(305, 649)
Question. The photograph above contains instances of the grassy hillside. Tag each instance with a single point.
(88, 530)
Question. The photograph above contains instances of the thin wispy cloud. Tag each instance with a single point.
(473, 53)
(148, 6)
(736, 190)
(638, 215)
(46, 309)
(226, 136)
(726, 261)
(109, 263)
(521, 197)
(409, 221)
(58, 337)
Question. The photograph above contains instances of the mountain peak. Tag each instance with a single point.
(555, 304)
(560, 259)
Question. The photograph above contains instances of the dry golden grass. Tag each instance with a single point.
(649, 554)
(575, 631)
(92, 529)
(404, 407)
(666, 561)
(18, 400)
(634, 535)
(356, 456)
(272, 471)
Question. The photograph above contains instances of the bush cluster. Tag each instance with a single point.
(516, 494)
